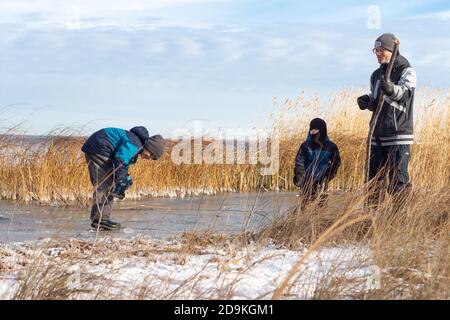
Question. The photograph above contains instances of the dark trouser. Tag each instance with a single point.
(100, 172)
(309, 191)
(394, 160)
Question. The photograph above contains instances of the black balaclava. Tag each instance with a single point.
(321, 125)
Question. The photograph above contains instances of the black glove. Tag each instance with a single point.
(129, 181)
(387, 86)
(119, 196)
(298, 180)
(364, 102)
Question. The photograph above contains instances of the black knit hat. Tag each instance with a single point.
(156, 146)
(386, 41)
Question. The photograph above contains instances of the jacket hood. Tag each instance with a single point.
(141, 132)
(400, 62)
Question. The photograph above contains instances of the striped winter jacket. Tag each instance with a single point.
(120, 146)
(395, 123)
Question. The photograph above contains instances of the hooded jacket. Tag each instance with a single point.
(120, 146)
(395, 123)
(315, 163)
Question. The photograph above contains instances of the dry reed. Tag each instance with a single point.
(54, 169)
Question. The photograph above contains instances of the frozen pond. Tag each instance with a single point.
(154, 217)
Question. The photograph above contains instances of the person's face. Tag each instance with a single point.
(314, 131)
(147, 155)
(383, 55)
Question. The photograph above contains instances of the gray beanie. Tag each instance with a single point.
(386, 41)
(155, 145)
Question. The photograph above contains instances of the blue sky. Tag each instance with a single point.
(166, 63)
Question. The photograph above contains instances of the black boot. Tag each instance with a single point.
(105, 225)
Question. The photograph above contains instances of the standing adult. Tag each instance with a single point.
(393, 135)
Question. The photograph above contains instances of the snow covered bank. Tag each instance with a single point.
(151, 269)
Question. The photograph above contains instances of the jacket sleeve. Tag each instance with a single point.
(372, 94)
(406, 84)
(124, 155)
(334, 163)
(299, 169)
(120, 170)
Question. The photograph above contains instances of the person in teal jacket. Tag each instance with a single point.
(109, 152)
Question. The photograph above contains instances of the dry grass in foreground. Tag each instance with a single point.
(338, 251)
(408, 237)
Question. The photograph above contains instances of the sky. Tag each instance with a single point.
(167, 63)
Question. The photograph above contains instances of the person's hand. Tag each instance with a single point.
(298, 180)
(387, 86)
(363, 102)
(129, 181)
(119, 189)
(119, 196)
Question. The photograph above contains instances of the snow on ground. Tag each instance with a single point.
(157, 269)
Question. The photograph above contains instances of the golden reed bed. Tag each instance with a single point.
(407, 241)
(58, 172)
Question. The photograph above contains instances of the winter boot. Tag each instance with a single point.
(105, 225)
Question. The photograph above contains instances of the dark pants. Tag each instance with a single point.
(392, 160)
(100, 172)
(310, 191)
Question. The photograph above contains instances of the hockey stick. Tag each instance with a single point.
(378, 110)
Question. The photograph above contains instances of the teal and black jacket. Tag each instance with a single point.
(122, 148)
(316, 163)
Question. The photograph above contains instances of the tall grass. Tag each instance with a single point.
(407, 238)
(56, 170)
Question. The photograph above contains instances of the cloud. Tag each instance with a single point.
(90, 7)
(157, 47)
(84, 14)
(274, 48)
(443, 15)
(153, 56)
(438, 15)
(190, 47)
